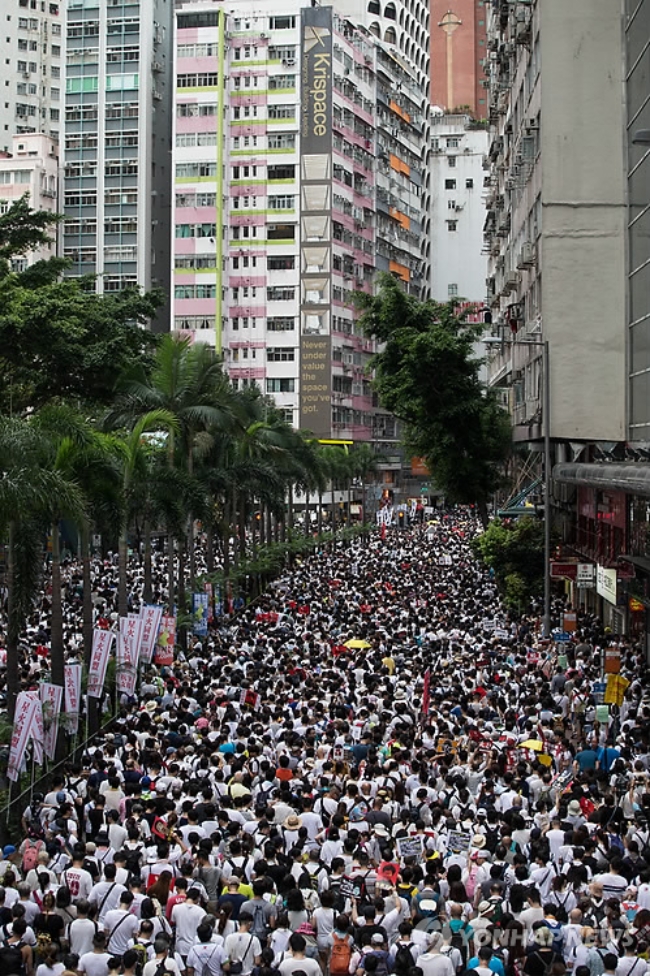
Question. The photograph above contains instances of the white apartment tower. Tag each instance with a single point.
(31, 40)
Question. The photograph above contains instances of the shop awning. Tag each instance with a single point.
(632, 478)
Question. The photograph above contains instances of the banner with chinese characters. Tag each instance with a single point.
(164, 651)
(101, 649)
(72, 697)
(51, 698)
(151, 617)
(23, 720)
(200, 602)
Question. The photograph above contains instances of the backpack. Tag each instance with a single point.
(459, 941)
(339, 900)
(30, 854)
(403, 960)
(382, 961)
(470, 883)
(360, 889)
(340, 956)
(11, 959)
(259, 927)
(143, 957)
(548, 966)
(132, 862)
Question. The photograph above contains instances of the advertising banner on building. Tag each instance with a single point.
(606, 583)
(316, 220)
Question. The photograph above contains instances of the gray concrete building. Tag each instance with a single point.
(556, 219)
(117, 180)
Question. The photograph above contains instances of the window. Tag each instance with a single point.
(451, 160)
(195, 170)
(282, 52)
(469, 184)
(282, 82)
(280, 263)
(452, 291)
(280, 293)
(286, 140)
(281, 232)
(452, 143)
(282, 23)
(201, 79)
(450, 184)
(280, 323)
(282, 111)
(186, 110)
(284, 202)
(452, 225)
(281, 172)
(451, 204)
(280, 386)
(280, 354)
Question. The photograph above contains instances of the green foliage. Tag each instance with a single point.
(427, 375)
(515, 551)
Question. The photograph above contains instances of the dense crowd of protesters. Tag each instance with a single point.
(445, 795)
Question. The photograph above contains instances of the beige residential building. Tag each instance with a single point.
(32, 167)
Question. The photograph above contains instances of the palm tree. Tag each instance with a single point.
(187, 381)
(32, 489)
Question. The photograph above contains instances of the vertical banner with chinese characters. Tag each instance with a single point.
(72, 697)
(200, 602)
(23, 719)
(102, 643)
(51, 697)
(208, 589)
(151, 617)
(37, 729)
(164, 652)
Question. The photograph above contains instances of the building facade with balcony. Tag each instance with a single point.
(297, 161)
(117, 177)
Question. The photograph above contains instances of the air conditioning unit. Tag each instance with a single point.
(527, 256)
(511, 282)
(157, 96)
(533, 124)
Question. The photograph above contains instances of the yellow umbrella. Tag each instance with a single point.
(357, 643)
(534, 744)
(544, 759)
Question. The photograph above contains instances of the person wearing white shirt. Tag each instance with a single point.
(120, 925)
(206, 956)
(243, 946)
(162, 959)
(434, 962)
(186, 917)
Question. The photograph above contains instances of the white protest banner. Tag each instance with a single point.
(23, 718)
(127, 654)
(151, 617)
(131, 630)
(51, 697)
(102, 643)
(409, 846)
(72, 699)
(37, 729)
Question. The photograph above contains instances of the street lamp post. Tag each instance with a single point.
(546, 409)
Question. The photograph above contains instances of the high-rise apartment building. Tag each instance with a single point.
(297, 175)
(556, 217)
(31, 40)
(458, 51)
(117, 180)
(458, 264)
(32, 169)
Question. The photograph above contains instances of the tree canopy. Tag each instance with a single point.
(58, 337)
(427, 375)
